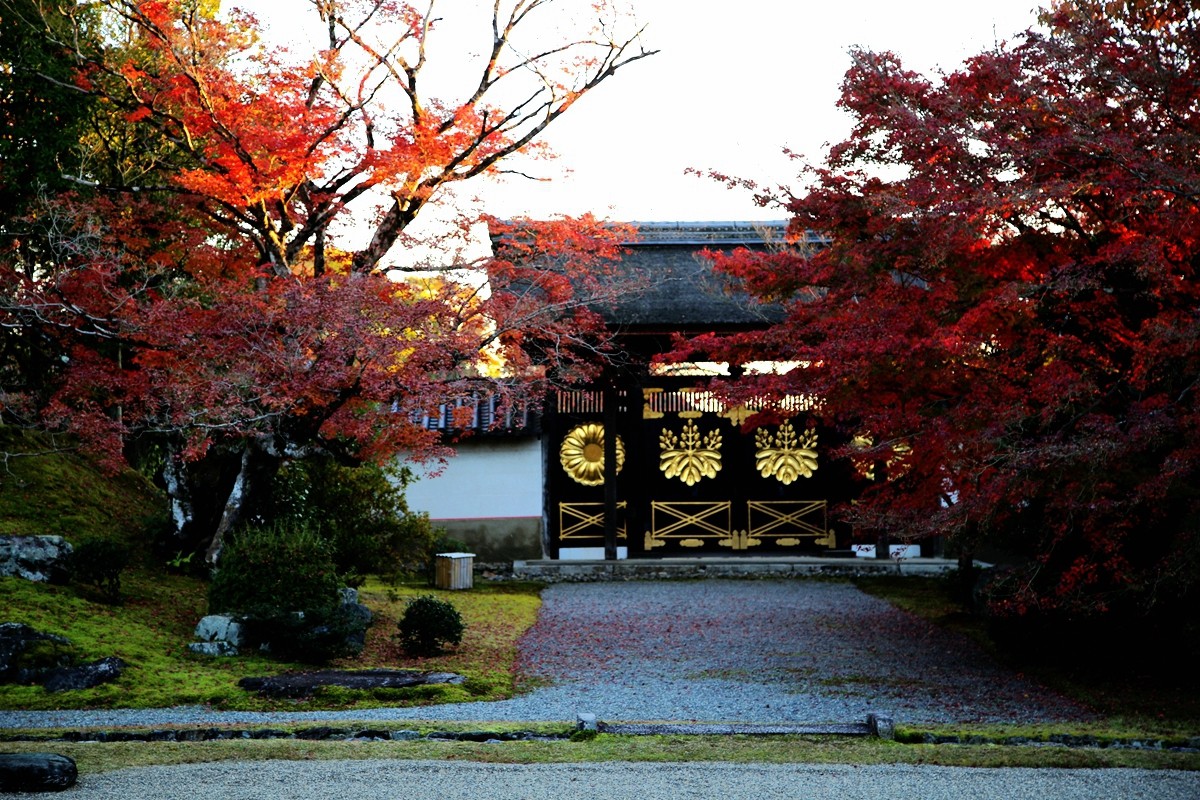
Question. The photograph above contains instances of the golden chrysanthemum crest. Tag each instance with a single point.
(582, 454)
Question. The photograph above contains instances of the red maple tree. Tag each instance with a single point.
(1005, 312)
(200, 303)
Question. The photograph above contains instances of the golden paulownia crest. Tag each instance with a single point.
(582, 454)
(688, 455)
(784, 455)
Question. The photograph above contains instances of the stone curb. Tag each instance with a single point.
(588, 722)
(318, 733)
(702, 729)
(877, 725)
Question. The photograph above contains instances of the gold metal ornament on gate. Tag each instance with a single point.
(688, 455)
(784, 455)
(582, 454)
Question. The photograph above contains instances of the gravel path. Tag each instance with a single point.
(709, 650)
(445, 780)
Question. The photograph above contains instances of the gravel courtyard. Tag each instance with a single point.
(765, 651)
(713, 651)
(444, 780)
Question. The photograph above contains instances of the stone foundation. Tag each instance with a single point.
(689, 568)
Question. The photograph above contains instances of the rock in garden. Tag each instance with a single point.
(84, 676)
(24, 652)
(220, 628)
(213, 649)
(357, 618)
(36, 772)
(35, 558)
(305, 684)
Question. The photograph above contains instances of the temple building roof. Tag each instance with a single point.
(709, 234)
(673, 285)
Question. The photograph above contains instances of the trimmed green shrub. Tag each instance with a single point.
(272, 569)
(281, 582)
(99, 563)
(428, 625)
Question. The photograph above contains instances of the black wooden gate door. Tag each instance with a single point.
(574, 424)
(690, 480)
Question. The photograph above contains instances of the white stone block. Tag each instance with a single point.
(588, 553)
(219, 628)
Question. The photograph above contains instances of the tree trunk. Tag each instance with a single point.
(256, 468)
(183, 514)
(234, 505)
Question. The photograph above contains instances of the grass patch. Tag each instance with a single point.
(153, 626)
(150, 631)
(496, 615)
(92, 757)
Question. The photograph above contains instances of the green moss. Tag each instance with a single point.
(153, 627)
(46, 654)
(50, 487)
(150, 632)
(496, 615)
(94, 758)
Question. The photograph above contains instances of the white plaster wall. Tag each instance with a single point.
(486, 479)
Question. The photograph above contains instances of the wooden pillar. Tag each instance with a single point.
(611, 400)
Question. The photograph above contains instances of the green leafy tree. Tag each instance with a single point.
(360, 511)
(43, 119)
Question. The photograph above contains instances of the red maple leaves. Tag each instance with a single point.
(1007, 302)
(199, 294)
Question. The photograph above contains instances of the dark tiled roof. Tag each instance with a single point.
(663, 283)
(709, 234)
(674, 286)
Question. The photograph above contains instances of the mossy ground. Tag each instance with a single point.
(48, 488)
(153, 626)
(92, 757)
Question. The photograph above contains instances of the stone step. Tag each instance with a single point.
(36, 772)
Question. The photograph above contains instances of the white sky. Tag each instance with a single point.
(735, 82)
